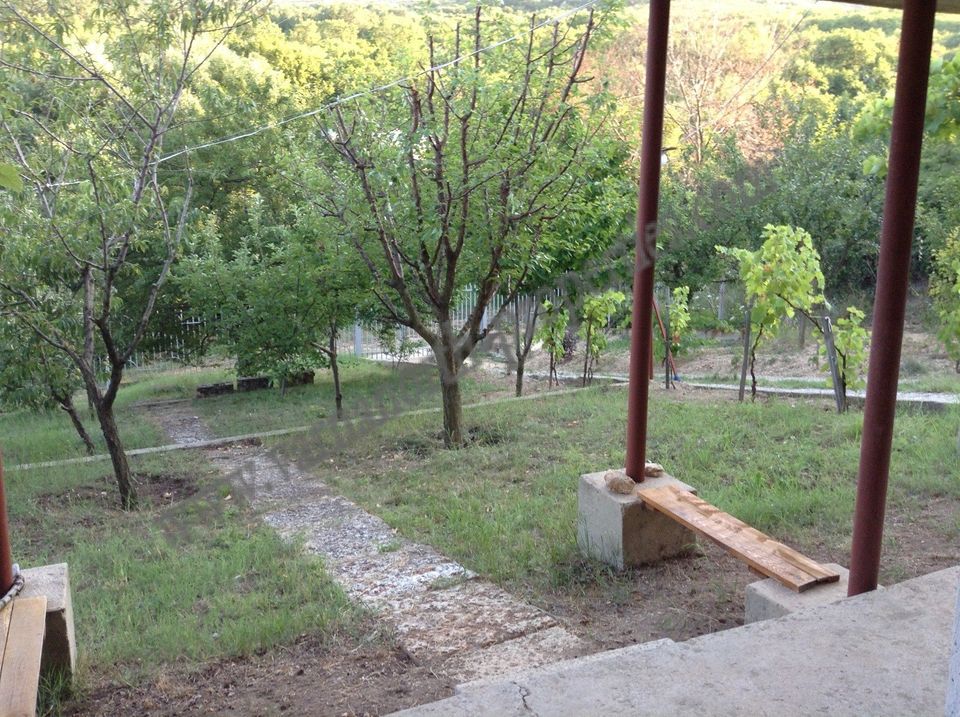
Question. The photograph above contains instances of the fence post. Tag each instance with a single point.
(747, 325)
(834, 369)
(666, 345)
(722, 302)
(357, 340)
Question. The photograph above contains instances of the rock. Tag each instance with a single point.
(653, 470)
(619, 482)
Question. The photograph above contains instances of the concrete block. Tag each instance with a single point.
(768, 599)
(59, 643)
(621, 531)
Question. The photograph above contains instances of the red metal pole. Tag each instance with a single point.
(641, 343)
(916, 38)
(6, 560)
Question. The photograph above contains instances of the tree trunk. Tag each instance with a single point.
(523, 339)
(452, 403)
(452, 413)
(521, 360)
(66, 403)
(335, 369)
(518, 346)
(121, 468)
(586, 354)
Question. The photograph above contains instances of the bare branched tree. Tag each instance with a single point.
(451, 181)
(96, 245)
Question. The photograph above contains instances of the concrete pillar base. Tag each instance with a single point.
(621, 531)
(768, 599)
(59, 643)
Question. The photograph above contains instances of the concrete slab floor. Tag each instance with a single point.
(881, 653)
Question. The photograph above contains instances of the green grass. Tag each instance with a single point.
(28, 437)
(173, 583)
(368, 388)
(147, 385)
(506, 504)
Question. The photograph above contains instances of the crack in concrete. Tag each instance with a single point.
(524, 694)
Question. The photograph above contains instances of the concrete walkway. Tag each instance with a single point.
(443, 615)
(921, 399)
(882, 653)
(924, 399)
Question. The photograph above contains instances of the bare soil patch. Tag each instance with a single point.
(308, 677)
(153, 490)
(703, 593)
(677, 599)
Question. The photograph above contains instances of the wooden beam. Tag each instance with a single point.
(761, 552)
(20, 663)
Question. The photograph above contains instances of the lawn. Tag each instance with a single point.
(191, 577)
(505, 505)
(369, 388)
(33, 436)
(194, 577)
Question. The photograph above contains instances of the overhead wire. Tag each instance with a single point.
(364, 93)
(254, 131)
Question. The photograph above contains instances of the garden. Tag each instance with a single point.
(295, 299)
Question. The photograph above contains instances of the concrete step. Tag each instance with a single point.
(882, 653)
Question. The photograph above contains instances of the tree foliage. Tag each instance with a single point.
(945, 292)
(453, 180)
(782, 279)
(552, 332)
(595, 314)
(99, 229)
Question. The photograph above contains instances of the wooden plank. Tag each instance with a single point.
(761, 552)
(4, 626)
(20, 675)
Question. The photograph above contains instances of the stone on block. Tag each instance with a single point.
(59, 642)
(621, 531)
(768, 599)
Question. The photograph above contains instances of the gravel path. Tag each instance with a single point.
(443, 615)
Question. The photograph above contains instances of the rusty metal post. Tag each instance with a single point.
(899, 209)
(641, 339)
(6, 559)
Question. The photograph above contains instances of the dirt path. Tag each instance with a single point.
(444, 616)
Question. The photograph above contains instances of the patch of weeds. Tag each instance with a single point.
(448, 581)
(54, 690)
(418, 445)
(912, 367)
(485, 435)
(391, 547)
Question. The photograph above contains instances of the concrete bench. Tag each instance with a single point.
(22, 629)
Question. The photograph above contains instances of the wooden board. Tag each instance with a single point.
(759, 551)
(20, 661)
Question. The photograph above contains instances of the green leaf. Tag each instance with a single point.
(10, 178)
